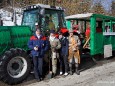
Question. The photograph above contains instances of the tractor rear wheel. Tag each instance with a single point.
(15, 66)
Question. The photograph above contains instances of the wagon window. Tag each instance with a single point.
(107, 26)
(113, 26)
(99, 26)
(110, 26)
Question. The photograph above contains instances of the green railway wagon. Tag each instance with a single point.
(102, 32)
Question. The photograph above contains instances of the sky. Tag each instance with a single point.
(105, 3)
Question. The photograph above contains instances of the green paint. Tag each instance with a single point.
(97, 39)
(92, 34)
(14, 36)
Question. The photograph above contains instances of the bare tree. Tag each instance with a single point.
(113, 8)
(98, 9)
(46, 1)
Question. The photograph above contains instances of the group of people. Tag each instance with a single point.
(63, 48)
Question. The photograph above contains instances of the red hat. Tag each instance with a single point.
(63, 30)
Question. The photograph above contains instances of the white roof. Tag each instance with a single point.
(44, 6)
(47, 6)
(79, 16)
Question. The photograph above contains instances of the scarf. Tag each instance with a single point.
(52, 38)
(38, 36)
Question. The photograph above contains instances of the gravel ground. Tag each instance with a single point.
(103, 74)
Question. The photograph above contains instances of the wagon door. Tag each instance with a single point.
(96, 36)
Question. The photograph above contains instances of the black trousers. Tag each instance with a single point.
(38, 64)
(63, 63)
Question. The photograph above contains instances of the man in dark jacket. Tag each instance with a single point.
(38, 46)
(63, 53)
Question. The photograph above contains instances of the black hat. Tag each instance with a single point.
(52, 31)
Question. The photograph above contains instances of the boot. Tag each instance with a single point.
(76, 70)
(70, 66)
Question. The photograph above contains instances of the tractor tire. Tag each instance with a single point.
(15, 66)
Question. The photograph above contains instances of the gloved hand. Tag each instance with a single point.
(35, 48)
(54, 44)
(76, 45)
(43, 45)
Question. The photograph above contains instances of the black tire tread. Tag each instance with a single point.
(4, 76)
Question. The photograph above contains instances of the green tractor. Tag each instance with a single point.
(15, 61)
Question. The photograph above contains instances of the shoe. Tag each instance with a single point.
(53, 75)
(61, 73)
(41, 79)
(32, 72)
(77, 69)
(77, 72)
(71, 73)
(38, 80)
(65, 74)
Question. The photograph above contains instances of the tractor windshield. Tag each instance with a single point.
(50, 20)
(29, 18)
(53, 20)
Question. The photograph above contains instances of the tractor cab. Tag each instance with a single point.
(47, 17)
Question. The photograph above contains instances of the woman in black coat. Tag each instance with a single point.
(63, 54)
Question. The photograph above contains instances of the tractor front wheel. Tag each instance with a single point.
(15, 66)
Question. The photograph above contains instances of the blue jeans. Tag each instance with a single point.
(38, 64)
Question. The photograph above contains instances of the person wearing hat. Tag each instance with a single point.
(74, 44)
(38, 46)
(55, 46)
(76, 29)
(36, 26)
(63, 53)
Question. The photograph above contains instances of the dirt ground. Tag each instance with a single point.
(102, 74)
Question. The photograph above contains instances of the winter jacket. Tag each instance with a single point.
(55, 45)
(74, 42)
(41, 43)
(64, 46)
